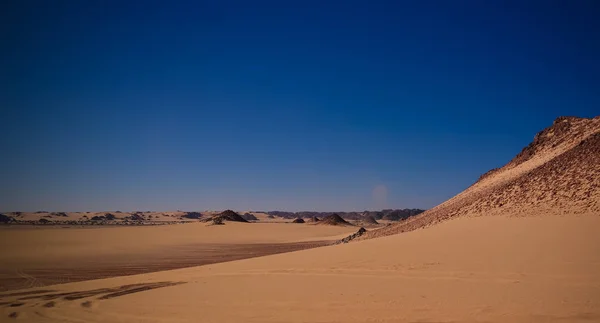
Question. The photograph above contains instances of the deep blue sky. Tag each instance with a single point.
(292, 105)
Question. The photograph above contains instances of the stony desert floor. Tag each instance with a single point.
(484, 269)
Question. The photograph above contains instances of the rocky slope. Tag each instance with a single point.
(558, 173)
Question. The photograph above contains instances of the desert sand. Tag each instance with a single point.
(487, 269)
(522, 244)
(37, 256)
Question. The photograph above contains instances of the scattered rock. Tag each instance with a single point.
(353, 236)
(298, 220)
(6, 218)
(192, 215)
(135, 217)
(216, 221)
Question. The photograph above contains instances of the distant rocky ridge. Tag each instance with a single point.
(176, 217)
(402, 213)
(558, 173)
(395, 216)
(90, 218)
(105, 217)
(192, 215)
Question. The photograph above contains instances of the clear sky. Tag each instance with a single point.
(287, 105)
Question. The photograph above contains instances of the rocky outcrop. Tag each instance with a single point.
(192, 215)
(334, 219)
(557, 174)
(353, 236)
(6, 219)
(249, 217)
(227, 215)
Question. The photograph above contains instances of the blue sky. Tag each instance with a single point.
(287, 105)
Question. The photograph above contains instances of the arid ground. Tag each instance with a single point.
(487, 269)
(38, 256)
(522, 244)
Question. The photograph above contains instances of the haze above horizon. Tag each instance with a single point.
(280, 105)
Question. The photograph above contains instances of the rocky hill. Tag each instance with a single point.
(367, 221)
(227, 215)
(333, 219)
(558, 173)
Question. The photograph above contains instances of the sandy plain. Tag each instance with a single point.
(35, 256)
(482, 269)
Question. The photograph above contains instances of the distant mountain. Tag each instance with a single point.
(397, 215)
(402, 213)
